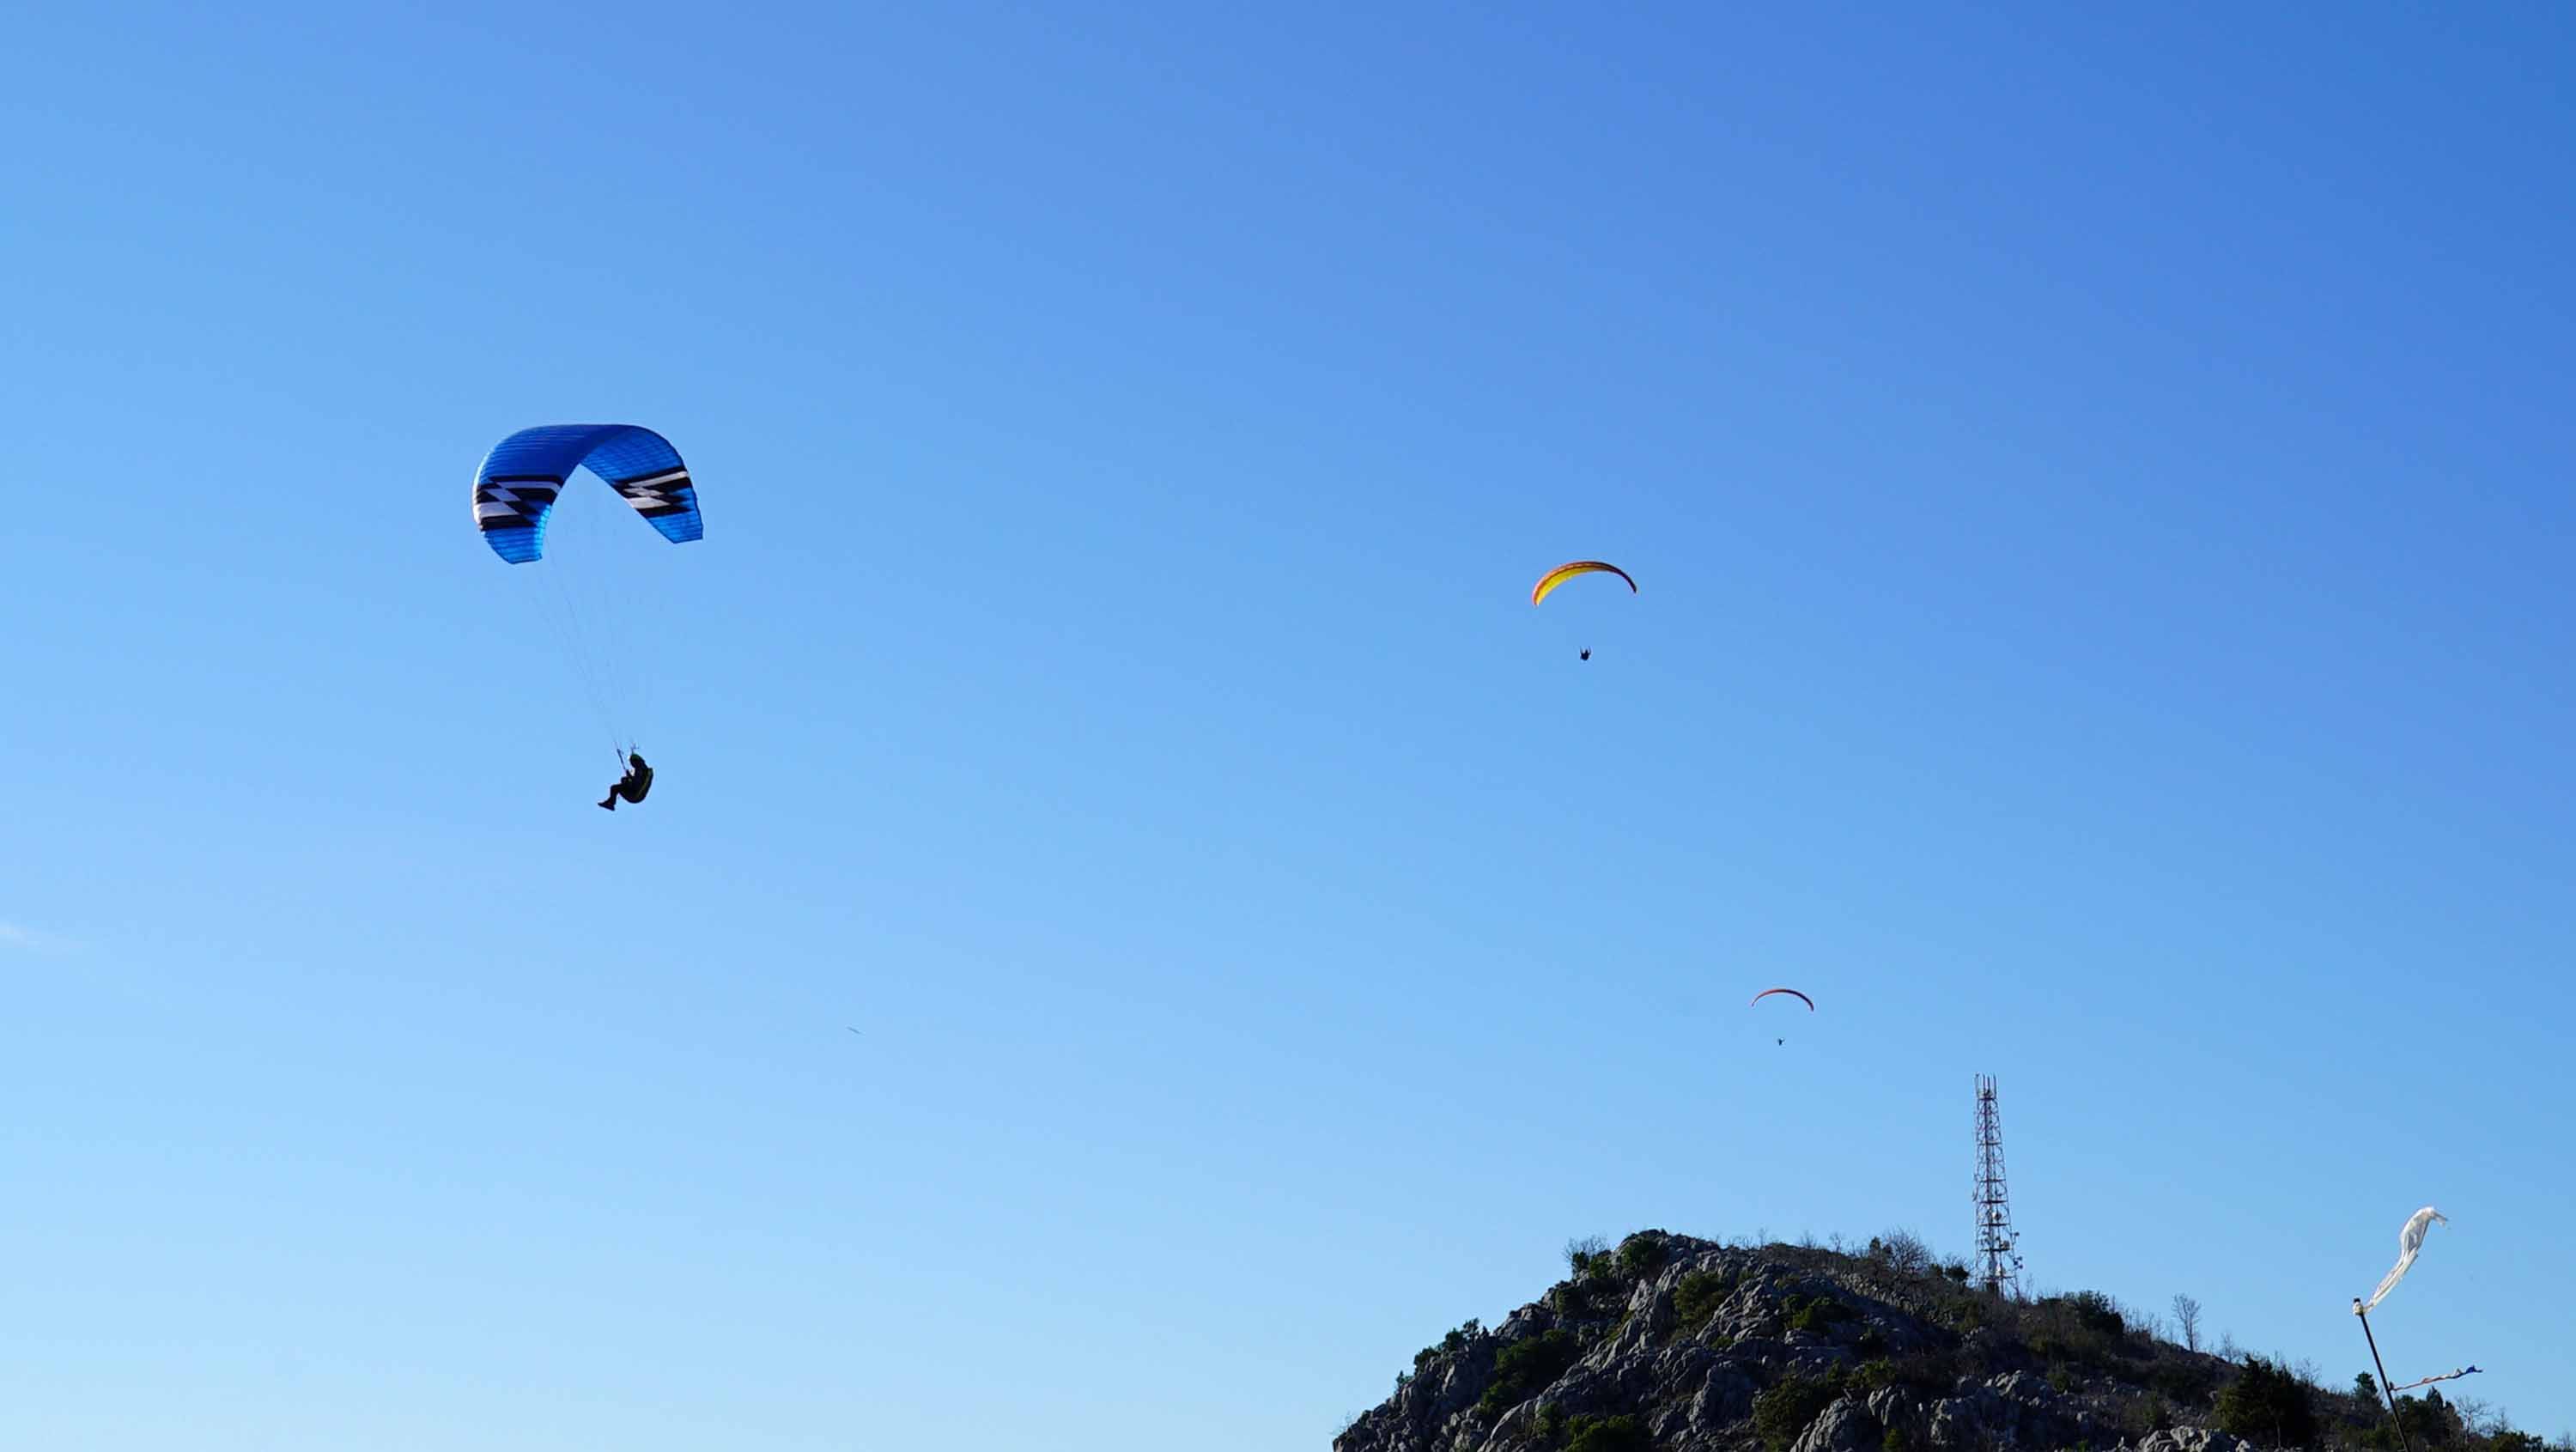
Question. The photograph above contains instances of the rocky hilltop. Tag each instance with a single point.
(1671, 1344)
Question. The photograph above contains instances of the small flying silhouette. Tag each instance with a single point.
(1586, 654)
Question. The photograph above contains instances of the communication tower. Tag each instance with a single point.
(1998, 1259)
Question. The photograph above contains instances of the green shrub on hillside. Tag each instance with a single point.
(1820, 1315)
(2430, 1421)
(2188, 1382)
(1525, 1368)
(2267, 1404)
(1449, 1345)
(1932, 1373)
(1584, 1254)
(1608, 1434)
(1699, 1295)
(1643, 1254)
(2098, 1313)
(1786, 1410)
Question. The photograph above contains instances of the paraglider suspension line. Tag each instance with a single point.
(594, 662)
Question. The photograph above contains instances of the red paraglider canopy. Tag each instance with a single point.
(1793, 993)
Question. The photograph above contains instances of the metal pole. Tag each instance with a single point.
(2385, 1390)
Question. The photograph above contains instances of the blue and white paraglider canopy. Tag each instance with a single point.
(515, 490)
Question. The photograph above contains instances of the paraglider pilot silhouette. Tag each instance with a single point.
(637, 781)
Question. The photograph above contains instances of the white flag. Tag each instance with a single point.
(2409, 1241)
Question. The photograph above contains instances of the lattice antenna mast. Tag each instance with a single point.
(1998, 1259)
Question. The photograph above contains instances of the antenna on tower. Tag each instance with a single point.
(1998, 1260)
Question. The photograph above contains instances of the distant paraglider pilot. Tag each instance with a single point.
(637, 781)
(1586, 655)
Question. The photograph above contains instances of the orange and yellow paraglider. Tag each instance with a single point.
(1548, 582)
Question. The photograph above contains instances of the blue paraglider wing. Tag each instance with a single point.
(515, 490)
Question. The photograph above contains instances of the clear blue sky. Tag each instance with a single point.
(2099, 483)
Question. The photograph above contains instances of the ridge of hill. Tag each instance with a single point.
(1675, 1344)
